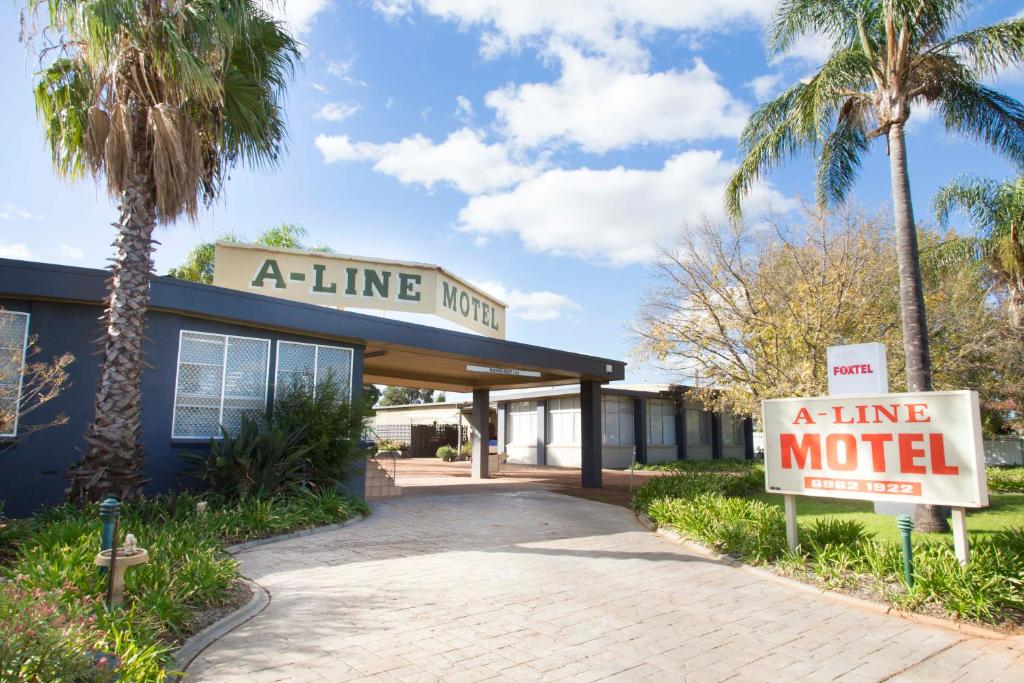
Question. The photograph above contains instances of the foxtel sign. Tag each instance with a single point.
(916, 448)
(352, 282)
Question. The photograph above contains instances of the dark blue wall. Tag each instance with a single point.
(31, 472)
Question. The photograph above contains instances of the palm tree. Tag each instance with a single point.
(888, 56)
(996, 211)
(162, 100)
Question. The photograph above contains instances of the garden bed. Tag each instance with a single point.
(845, 546)
(50, 591)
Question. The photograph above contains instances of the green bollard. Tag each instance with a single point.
(110, 510)
(906, 524)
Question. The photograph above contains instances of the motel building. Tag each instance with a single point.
(645, 424)
(215, 354)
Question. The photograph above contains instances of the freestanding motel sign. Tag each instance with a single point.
(923, 448)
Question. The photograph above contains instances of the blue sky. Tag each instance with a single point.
(540, 148)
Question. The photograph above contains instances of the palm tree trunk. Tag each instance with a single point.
(927, 518)
(112, 463)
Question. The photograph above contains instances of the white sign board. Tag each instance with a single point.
(857, 369)
(920, 448)
(503, 371)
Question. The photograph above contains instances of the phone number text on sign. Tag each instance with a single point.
(922, 447)
(894, 488)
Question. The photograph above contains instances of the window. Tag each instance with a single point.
(661, 422)
(13, 342)
(311, 364)
(221, 379)
(698, 427)
(564, 421)
(732, 430)
(522, 423)
(616, 421)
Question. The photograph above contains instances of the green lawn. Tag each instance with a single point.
(1005, 510)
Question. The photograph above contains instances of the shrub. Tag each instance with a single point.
(1003, 479)
(187, 572)
(262, 460)
(447, 453)
(829, 531)
(750, 529)
(691, 485)
(331, 426)
(466, 449)
(49, 636)
(389, 445)
(722, 465)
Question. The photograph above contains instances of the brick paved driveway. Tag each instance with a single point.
(535, 585)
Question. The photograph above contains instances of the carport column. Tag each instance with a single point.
(479, 427)
(542, 433)
(502, 417)
(590, 434)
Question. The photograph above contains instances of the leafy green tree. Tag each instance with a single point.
(996, 212)
(371, 394)
(888, 56)
(198, 265)
(400, 396)
(161, 101)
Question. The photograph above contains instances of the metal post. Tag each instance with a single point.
(905, 523)
(792, 531)
(110, 510)
(960, 544)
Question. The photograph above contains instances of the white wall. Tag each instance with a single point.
(659, 454)
(521, 455)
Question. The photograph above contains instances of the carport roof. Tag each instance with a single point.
(396, 352)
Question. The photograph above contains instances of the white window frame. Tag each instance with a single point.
(665, 421)
(223, 376)
(316, 363)
(703, 427)
(21, 372)
(559, 411)
(522, 410)
(614, 405)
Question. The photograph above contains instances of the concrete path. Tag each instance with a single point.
(539, 586)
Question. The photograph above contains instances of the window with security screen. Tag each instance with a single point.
(616, 421)
(13, 340)
(661, 422)
(309, 365)
(221, 380)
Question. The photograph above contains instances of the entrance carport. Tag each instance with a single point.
(406, 354)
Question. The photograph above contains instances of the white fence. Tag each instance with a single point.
(1005, 450)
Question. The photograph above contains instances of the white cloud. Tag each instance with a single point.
(766, 86)
(16, 250)
(464, 110)
(71, 253)
(12, 212)
(319, 88)
(616, 215)
(600, 105)
(540, 305)
(811, 49)
(463, 160)
(336, 111)
(611, 27)
(298, 14)
(342, 69)
(389, 102)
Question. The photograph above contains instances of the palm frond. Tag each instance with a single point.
(974, 196)
(978, 111)
(794, 19)
(988, 49)
(841, 155)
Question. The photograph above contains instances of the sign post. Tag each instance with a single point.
(922, 448)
